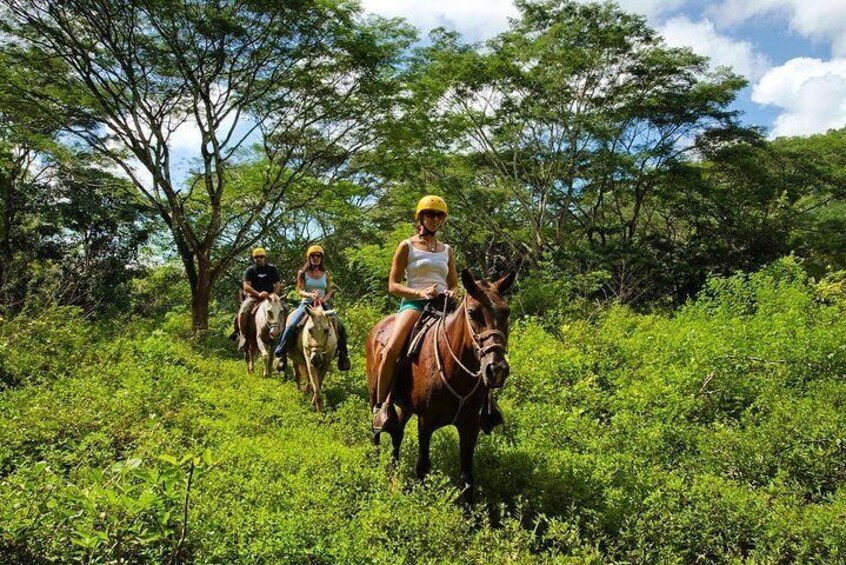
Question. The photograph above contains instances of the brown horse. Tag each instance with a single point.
(461, 359)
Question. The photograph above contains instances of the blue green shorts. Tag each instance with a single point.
(412, 304)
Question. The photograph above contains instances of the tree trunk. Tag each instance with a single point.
(201, 294)
(8, 207)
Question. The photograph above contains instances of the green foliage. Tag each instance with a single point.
(43, 345)
(160, 290)
(556, 137)
(712, 434)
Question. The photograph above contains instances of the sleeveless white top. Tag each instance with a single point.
(426, 268)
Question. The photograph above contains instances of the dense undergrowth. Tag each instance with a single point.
(717, 434)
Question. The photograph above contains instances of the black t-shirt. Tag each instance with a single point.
(262, 279)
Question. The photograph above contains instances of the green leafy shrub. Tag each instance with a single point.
(43, 344)
(711, 435)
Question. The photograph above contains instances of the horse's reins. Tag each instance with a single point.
(478, 349)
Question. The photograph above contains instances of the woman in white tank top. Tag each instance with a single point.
(428, 267)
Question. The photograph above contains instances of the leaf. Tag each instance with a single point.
(169, 459)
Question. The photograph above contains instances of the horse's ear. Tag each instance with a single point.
(503, 285)
(310, 311)
(470, 284)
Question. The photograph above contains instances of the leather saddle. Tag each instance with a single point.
(431, 315)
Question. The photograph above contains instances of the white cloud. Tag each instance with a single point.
(810, 92)
(186, 137)
(477, 20)
(822, 20)
(704, 39)
(650, 8)
(474, 19)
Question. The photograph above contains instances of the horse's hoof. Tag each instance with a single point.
(374, 437)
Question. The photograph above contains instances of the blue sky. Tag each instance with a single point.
(793, 52)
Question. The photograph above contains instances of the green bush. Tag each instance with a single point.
(43, 345)
(715, 434)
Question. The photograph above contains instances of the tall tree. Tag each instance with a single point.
(307, 79)
(567, 121)
(29, 152)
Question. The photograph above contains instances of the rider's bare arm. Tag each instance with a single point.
(301, 290)
(250, 291)
(395, 285)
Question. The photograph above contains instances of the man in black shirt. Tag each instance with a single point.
(260, 279)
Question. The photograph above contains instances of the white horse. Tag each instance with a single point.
(313, 351)
(266, 327)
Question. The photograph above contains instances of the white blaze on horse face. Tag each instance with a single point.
(273, 312)
(318, 343)
(318, 330)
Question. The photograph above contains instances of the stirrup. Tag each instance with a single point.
(282, 362)
(491, 420)
(344, 363)
(490, 416)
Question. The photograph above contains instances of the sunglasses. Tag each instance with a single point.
(433, 214)
(315, 255)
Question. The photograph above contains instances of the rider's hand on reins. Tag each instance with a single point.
(430, 292)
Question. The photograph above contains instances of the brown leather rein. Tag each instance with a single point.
(479, 350)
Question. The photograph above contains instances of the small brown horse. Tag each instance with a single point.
(460, 360)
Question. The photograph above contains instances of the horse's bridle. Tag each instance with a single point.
(322, 350)
(479, 350)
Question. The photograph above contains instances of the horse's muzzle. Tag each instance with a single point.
(316, 360)
(495, 374)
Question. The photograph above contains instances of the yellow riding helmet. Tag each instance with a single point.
(431, 202)
(259, 252)
(314, 249)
